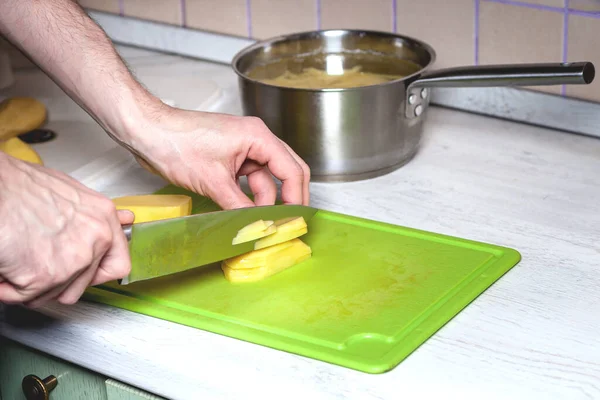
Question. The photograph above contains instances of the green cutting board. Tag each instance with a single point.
(370, 295)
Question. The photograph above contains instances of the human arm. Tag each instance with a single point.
(202, 152)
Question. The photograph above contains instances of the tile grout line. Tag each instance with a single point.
(476, 32)
(581, 13)
(395, 16)
(183, 13)
(249, 18)
(528, 5)
(121, 7)
(590, 14)
(318, 9)
(565, 49)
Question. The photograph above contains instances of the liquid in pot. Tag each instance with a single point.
(312, 78)
(332, 71)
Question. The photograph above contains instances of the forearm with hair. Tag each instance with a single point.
(76, 53)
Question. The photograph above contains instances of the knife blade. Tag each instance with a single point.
(168, 246)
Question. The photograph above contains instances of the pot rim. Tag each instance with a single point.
(320, 32)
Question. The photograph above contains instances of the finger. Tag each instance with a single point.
(249, 167)
(47, 296)
(263, 187)
(116, 263)
(227, 194)
(10, 294)
(126, 217)
(271, 152)
(306, 172)
(72, 293)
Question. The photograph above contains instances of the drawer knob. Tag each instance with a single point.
(35, 388)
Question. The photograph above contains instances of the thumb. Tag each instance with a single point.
(126, 217)
(229, 196)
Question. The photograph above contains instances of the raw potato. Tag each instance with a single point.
(287, 229)
(260, 264)
(153, 207)
(17, 148)
(255, 230)
(20, 115)
(256, 226)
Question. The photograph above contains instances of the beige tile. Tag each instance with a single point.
(271, 18)
(581, 48)
(168, 11)
(223, 16)
(551, 3)
(358, 14)
(511, 34)
(448, 26)
(111, 6)
(584, 5)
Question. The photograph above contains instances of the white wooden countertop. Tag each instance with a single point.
(535, 334)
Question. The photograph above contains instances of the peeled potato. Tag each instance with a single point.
(17, 148)
(255, 230)
(260, 264)
(287, 229)
(20, 115)
(153, 207)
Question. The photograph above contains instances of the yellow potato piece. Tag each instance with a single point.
(17, 148)
(290, 224)
(260, 264)
(20, 115)
(255, 230)
(257, 226)
(255, 258)
(279, 237)
(153, 207)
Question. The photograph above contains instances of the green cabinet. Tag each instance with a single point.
(116, 390)
(72, 382)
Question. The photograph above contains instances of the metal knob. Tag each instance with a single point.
(35, 388)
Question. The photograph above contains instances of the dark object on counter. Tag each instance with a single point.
(37, 136)
(362, 132)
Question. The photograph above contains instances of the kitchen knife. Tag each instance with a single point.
(168, 246)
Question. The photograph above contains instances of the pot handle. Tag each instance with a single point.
(576, 73)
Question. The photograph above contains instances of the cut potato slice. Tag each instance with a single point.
(260, 264)
(154, 207)
(255, 230)
(290, 224)
(17, 148)
(279, 237)
(255, 258)
(257, 226)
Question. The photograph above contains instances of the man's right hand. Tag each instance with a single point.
(57, 237)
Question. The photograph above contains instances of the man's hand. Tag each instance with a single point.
(203, 152)
(207, 153)
(57, 236)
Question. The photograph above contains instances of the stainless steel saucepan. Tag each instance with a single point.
(355, 133)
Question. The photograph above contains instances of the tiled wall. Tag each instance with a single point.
(463, 32)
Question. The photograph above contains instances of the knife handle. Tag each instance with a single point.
(127, 231)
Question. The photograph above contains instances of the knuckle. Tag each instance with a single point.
(298, 171)
(305, 168)
(101, 234)
(106, 206)
(77, 259)
(256, 122)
